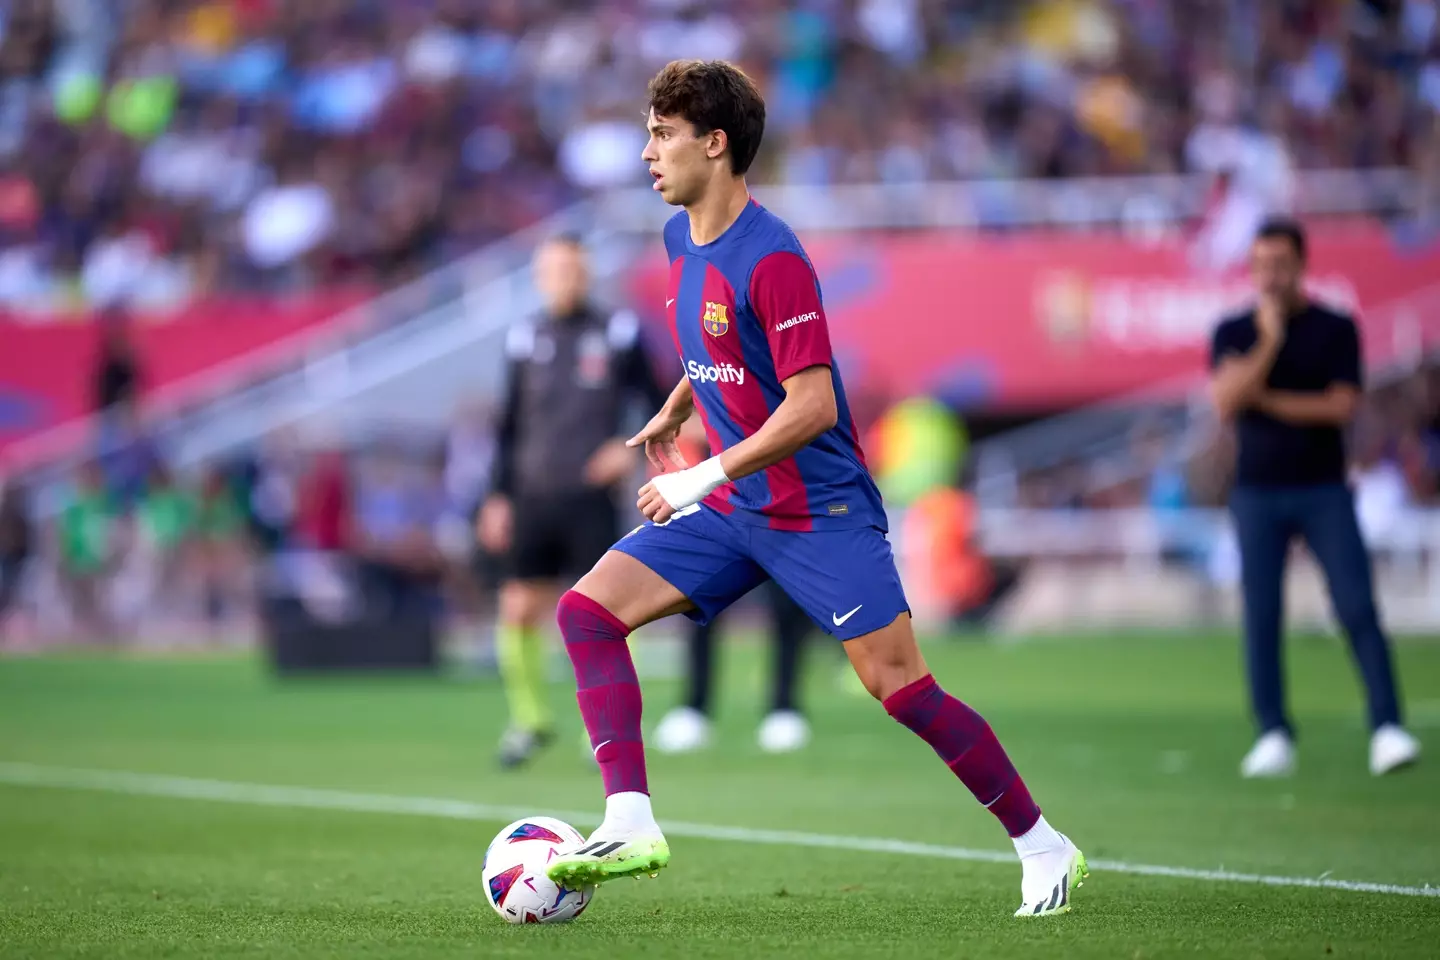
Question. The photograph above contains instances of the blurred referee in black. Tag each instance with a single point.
(1288, 373)
(575, 373)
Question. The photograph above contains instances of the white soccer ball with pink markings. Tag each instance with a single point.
(514, 872)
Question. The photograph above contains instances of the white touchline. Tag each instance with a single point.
(259, 794)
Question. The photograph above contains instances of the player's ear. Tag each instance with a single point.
(715, 143)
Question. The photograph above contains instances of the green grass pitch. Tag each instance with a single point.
(1130, 744)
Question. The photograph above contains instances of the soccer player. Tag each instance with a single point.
(1288, 373)
(574, 372)
(788, 497)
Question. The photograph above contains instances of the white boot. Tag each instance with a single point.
(1052, 867)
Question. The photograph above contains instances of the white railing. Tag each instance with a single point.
(967, 204)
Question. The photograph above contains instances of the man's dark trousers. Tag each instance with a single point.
(1266, 520)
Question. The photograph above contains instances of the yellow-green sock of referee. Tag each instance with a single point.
(521, 656)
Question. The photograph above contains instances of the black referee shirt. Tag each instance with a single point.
(1321, 348)
(573, 384)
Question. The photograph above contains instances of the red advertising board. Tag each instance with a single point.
(1022, 320)
(1031, 320)
(47, 370)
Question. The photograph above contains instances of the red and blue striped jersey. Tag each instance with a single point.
(746, 314)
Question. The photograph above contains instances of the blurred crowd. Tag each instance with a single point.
(136, 550)
(153, 150)
(130, 547)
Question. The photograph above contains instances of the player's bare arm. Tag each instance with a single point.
(807, 411)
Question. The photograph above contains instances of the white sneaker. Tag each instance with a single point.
(1391, 748)
(1272, 756)
(1049, 878)
(783, 731)
(682, 730)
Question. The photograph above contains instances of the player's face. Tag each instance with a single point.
(560, 276)
(678, 159)
(1276, 267)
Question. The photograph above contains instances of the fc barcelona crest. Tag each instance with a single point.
(715, 320)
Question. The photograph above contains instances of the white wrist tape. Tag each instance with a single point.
(685, 488)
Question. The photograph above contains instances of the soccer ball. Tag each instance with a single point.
(514, 872)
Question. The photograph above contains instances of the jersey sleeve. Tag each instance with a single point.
(786, 298)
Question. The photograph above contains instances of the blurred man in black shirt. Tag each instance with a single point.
(574, 372)
(1288, 373)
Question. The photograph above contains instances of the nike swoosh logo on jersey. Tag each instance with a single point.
(668, 302)
(839, 621)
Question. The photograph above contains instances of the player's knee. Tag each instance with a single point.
(887, 680)
(889, 669)
(630, 591)
(583, 619)
(888, 659)
(572, 605)
(596, 587)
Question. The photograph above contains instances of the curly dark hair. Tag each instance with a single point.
(713, 95)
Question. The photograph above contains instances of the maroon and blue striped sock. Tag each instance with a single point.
(969, 748)
(607, 689)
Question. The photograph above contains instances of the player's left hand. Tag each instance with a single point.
(653, 505)
(669, 493)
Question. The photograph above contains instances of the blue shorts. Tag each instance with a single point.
(845, 580)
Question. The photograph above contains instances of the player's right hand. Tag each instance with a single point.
(494, 524)
(659, 437)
